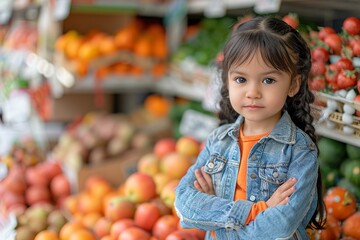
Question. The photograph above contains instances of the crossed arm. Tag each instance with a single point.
(203, 183)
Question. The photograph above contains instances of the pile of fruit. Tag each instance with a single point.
(140, 208)
(134, 49)
(336, 57)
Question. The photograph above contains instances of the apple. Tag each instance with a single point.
(164, 146)
(164, 210)
(146, 215)
(175, 165)
(167, 195)
(161, 179)
(60, 186)
(357, 100)
(199, 234)
(134, 233)
(36, 194)
(358, 85)
(120, 225)
(140, 187)
(181, 234)
(119, 207)
(102, 227)
(164, 226)
(149, 164)
(188, 146)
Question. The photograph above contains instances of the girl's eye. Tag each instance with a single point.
(269, 81)
(240, 80)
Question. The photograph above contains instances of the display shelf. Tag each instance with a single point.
(167, 85)
(337, 135)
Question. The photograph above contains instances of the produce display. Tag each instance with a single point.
(335, 75)
(145, 149)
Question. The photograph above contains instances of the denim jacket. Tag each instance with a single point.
(286, 152)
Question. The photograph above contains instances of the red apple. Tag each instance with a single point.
(149, 164)
(140, 187)
(199, 234)
(168, 193)
(164, 226)
(181, 234)
(120, 225)
(60, 186)
(188, 146)
(358, 85)
(164, 146)
(175, 165)
(146, 215)
(102, 227)
(37, 194)
(134, 233)
(119, 207)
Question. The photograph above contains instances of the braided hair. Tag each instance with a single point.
(282, 47)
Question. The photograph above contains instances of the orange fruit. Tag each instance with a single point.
(143, 46)
(69, 228)
(89, 219)
(82, 234)
(88, 51)
(46, 235)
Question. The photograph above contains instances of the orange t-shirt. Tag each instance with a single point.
(245, 144)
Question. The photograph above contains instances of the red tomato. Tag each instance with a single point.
(292, 20)
(325, 31)
(352, 25)
(331, 73)
(356, 48)
(318, 68)
(320, 54)
(344, 64)
(317, 83)
(346, 79)
(334, 41)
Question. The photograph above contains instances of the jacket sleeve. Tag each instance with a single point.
(207, 212)
(281, 222)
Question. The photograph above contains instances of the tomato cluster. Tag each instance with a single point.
(336, 57)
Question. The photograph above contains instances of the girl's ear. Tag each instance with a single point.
(295, 86)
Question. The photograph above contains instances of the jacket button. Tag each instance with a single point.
(211, 165)
(253, 176)
(253, 157)
(275, 174)
(252, 198)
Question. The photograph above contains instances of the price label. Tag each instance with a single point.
(267, 6)
(197, 124)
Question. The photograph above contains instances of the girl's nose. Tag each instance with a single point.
(253, 91)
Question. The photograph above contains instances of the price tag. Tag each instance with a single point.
(197, 124)
(267, 6)
(62, 9)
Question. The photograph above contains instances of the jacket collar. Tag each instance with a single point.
(284, 131)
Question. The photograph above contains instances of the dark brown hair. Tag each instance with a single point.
(282, 47)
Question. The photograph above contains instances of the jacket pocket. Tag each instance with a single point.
(215, 167)
(271, 178)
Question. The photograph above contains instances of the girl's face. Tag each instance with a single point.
(258, 92)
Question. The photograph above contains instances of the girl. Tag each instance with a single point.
(258, 175)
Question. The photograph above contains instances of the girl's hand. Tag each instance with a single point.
(282, 194)
(203, 182)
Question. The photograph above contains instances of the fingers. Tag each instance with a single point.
(203, 181)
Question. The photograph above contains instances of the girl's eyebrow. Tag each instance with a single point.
(264, 73)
